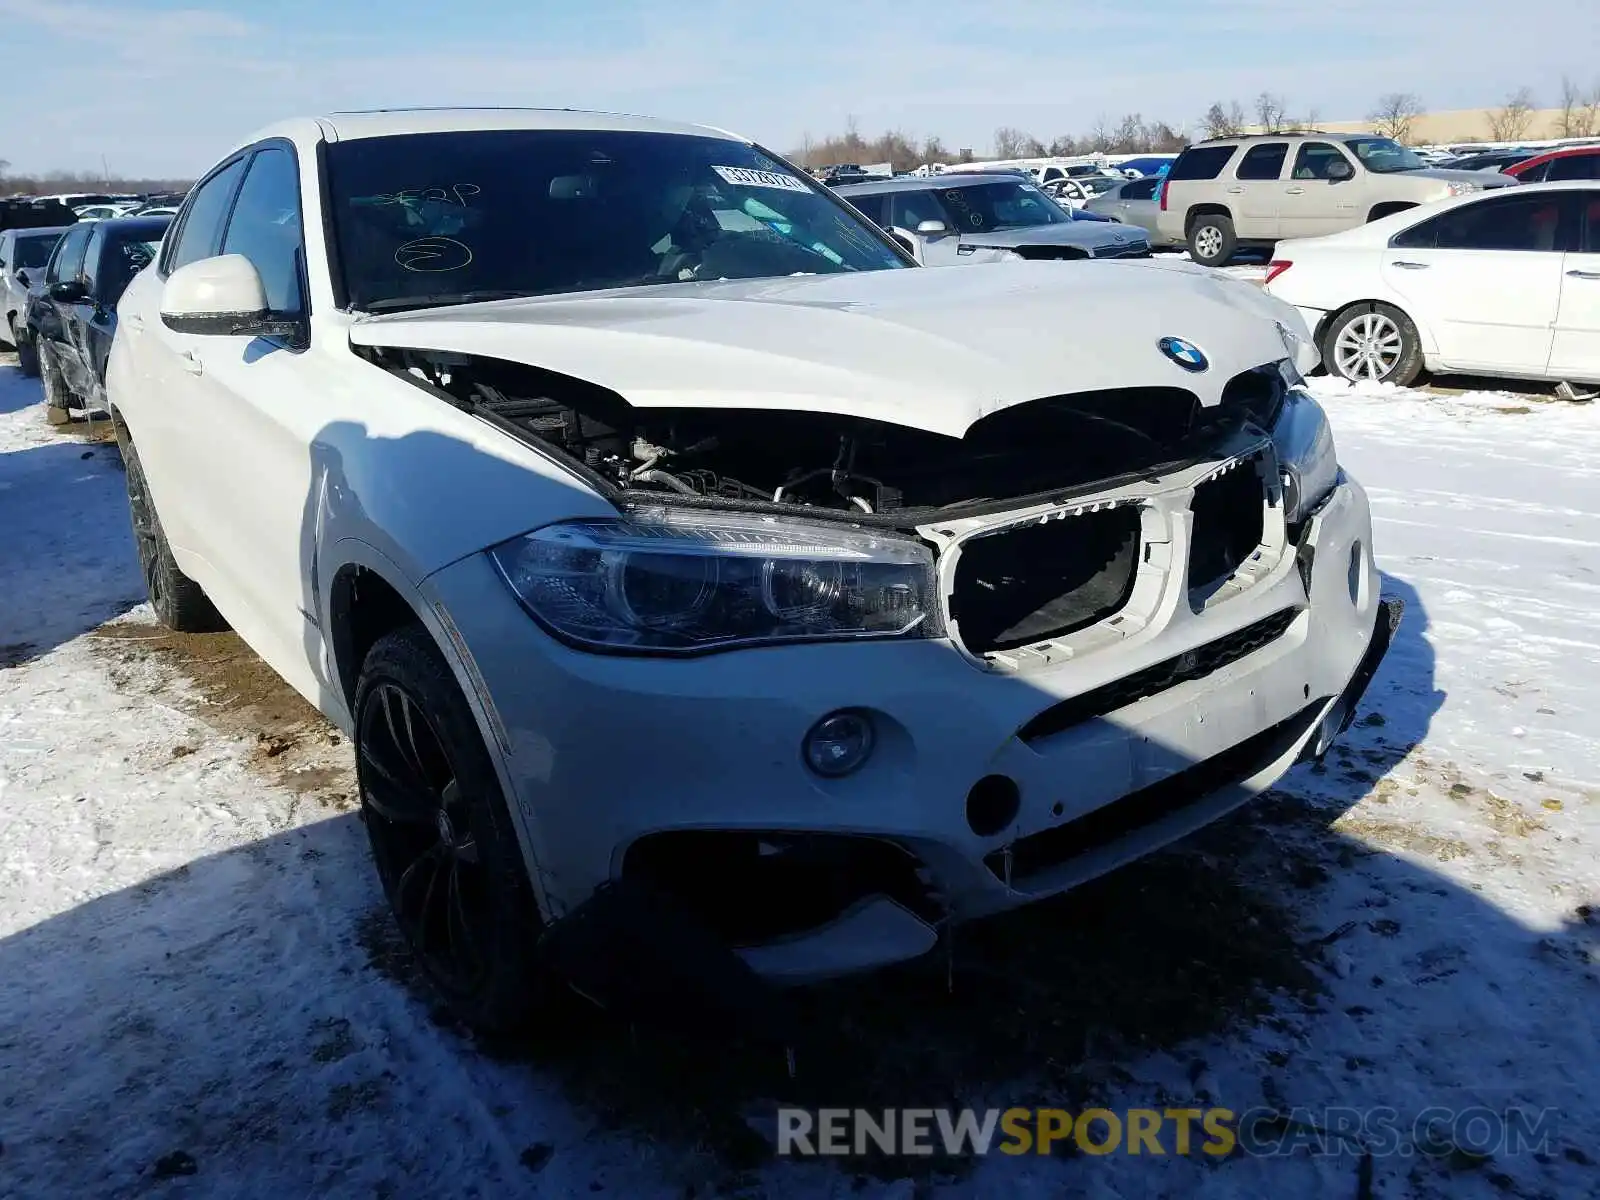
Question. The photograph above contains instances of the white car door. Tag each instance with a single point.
(162, 371)
(1484, 279)
(1575, 347)
(250, 426)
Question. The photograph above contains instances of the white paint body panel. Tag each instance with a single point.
(273, 468)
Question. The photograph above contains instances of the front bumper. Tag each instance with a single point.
(607, 754)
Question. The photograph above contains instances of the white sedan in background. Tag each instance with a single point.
(1506, 283)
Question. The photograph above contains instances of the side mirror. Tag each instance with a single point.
(22, 278)
(932, 228)
(1339, 170)
(221, 297)
(68, 291)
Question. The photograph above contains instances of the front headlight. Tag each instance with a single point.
(1306, 455)
(676, 581)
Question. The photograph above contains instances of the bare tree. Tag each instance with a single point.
(1396, 113)
(1032, 147)
(1064, 147)
(1579, 109)
(1008, 142)
(1223, 122)
(1272, 113)
(1312, 118)
(1510, 121)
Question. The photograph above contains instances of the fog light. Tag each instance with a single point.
(839, 743)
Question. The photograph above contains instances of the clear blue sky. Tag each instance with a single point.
(163, 86)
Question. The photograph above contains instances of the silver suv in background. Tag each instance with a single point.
(1255, 189)
(23, 255)
(951, 219)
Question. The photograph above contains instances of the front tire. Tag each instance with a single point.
(180, 603)
(447, 853)
(1212, 240)
(58, 397)
(1373, 343)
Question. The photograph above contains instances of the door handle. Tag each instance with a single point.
(1236, 191)
(190, 361)
(1583, 274)
(1294, 191)
(135, 323)
(1411, 266)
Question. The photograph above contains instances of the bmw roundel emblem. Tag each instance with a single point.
(1186, 354)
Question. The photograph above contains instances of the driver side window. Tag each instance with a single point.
(266, 228)
(67, 262)
(201, 231)
(1316, 160)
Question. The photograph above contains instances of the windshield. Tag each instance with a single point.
(1004, 204)
(1384, 156)
(34, 252)
(438, 218)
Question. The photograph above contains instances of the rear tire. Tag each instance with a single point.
(1373, 343)
(27, 352)
(447, 854)
(1212, 240)
(180, 603)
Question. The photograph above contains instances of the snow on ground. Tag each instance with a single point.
(200, 996)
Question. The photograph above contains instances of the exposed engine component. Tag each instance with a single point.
(830, 461)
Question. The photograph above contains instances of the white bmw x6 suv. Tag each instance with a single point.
(665, 538)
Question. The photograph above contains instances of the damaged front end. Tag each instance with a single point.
(1051, 532)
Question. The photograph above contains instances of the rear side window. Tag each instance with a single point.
(1535, 174)
(1576, 166)
(1139, 189)
(1527, 223)
(874, 208)
(1201, 162)
(1264, 161)
(201, 231)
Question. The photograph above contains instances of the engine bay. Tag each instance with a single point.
(832, 463)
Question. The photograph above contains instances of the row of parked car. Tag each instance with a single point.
(60, 287)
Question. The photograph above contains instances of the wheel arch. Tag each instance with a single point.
(1424, 338)
(1387, 209)
(1207, 209)
(366, 596)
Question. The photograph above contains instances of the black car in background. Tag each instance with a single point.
(26, 213)
(72, 311)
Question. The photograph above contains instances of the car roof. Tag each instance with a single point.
(389, 122)
(135, 225)
(1562, 152)
(924, 183)
(36, 231)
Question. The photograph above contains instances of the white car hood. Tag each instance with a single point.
(935, 348)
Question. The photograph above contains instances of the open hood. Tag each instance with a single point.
(928, 348)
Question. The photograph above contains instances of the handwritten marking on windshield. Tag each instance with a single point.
(431, 255)
(455, 193)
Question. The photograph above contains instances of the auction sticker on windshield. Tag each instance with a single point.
(745, 177)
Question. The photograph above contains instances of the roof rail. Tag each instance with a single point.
(1235, 137)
